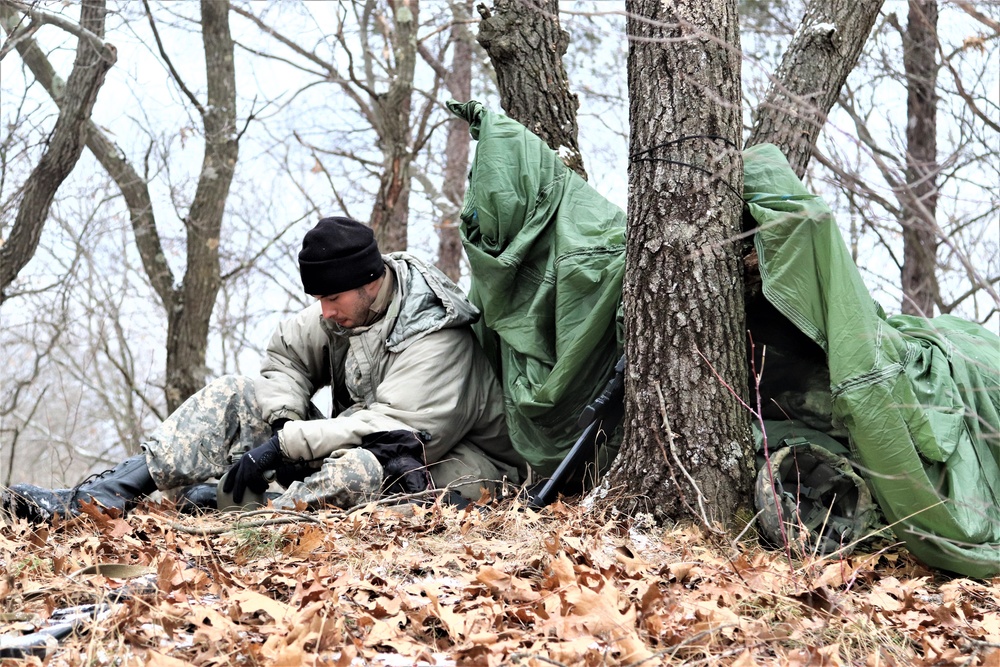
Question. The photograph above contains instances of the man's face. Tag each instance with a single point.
(350, 309)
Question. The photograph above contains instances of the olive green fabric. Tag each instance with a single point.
(789, 433)
(547, 258)
(919, 398)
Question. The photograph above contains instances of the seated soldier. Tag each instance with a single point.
(412, 390)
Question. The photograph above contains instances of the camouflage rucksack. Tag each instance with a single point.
(810, 489)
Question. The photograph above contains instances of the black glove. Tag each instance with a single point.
(294, 471)
(248, 472)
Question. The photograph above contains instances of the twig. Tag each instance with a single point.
(851, 545)
(673, 478)
(701, 514)
(59, 22)
(17, 36)
(697, 636)
(750, 523)
(759, 416)
(716, 657)
(400, 498)
(289, 516)
(534, 656)
(170, 64)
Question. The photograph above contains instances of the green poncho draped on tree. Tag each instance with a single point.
(547, 257)
(919, 398)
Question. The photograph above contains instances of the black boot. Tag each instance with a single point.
(198, 498)
(121, 488)
(33, 503)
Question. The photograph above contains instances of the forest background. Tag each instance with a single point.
(331, 115)
(162, 254)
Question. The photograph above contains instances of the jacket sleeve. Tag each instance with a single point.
(295, 366)
(435, 386)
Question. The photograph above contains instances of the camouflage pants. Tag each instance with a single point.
(216, 425)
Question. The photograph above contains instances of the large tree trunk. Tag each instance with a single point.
(919, 203)
(687, 445)
(391, 212)
(526, 46)
(64, 145)
(813, 69)
(188, 320)
(456, 166)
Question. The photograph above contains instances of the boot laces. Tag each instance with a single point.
(93, 477)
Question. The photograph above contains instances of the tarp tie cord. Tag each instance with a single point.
(639, 157)
(714, 137)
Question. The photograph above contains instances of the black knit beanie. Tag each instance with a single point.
(338, 255)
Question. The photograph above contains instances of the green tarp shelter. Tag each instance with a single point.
(919, 399)
(547, 258)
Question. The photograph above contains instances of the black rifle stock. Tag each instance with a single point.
(602, 414)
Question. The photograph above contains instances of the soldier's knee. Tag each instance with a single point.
(358, 470)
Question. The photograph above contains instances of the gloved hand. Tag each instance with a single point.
(248, 472)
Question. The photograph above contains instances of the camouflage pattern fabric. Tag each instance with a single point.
(347, 478)
(822, 504)
(203, 437)
(216, 425)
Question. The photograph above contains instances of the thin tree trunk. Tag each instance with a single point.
(526, 46)
(813, 69)
(391, 211)
(189, 307)
(64, 145)
(456, 167)
(188, 320)
(132, 186)
(687, 445)
(919, 203)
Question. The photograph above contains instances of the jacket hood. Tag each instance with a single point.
(427, 301)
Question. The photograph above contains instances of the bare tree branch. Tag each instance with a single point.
(825, 49)
(967, 98)
(14, 39)
(79, 30)
(332, 73)
(969, 9)
(170, 64)
(132, 186)
(65, 145)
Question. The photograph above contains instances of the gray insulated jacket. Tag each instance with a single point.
(419, 368)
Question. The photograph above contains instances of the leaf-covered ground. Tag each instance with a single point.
(441, 586)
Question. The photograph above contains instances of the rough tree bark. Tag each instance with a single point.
(65, 145)
(687, 445)
(188, 307)
(919, 203)
(191, 312)
(459, 82)
(391, 211)
(526, 46)
(813, 69)
(823, 52)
